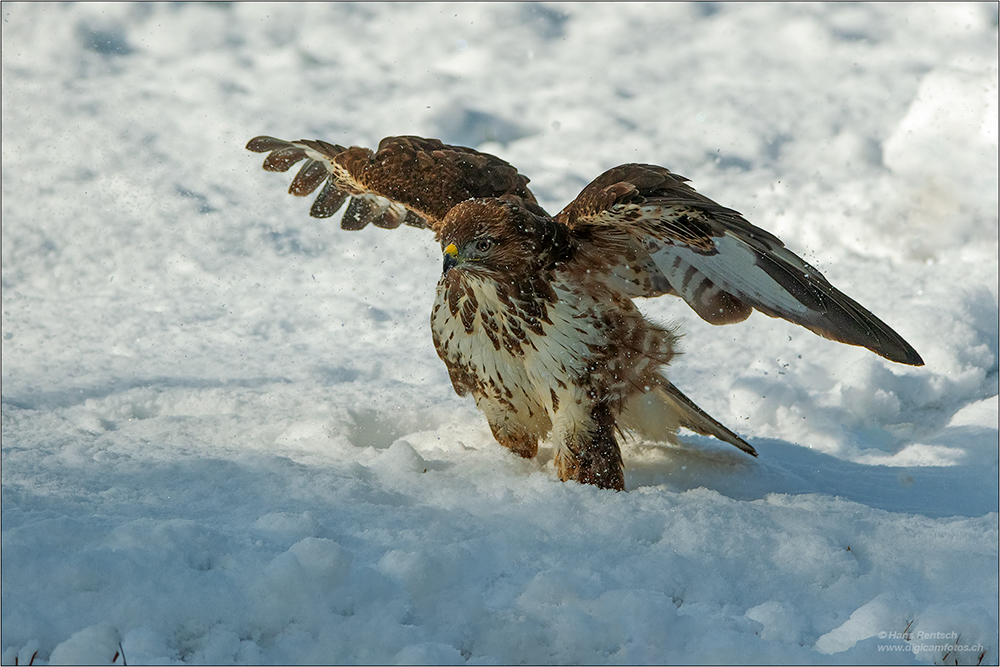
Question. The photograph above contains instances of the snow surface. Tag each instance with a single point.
(227, 437)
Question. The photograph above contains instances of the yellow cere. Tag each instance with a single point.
(451, 250)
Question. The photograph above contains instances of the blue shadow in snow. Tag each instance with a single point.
(934, 491)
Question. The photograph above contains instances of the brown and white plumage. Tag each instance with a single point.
(534, 315)
(409, 180)
(719, 263)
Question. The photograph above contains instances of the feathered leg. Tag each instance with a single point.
(517, 440)
(589, 453)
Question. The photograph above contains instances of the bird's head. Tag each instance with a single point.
(498, 237)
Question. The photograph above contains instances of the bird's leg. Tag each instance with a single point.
(589, 453)
(517, 440)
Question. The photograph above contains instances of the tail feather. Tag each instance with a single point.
(699, 421)
(657, 414)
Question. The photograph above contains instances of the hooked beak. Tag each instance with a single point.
(450, 257)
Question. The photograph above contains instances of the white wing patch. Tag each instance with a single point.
(733, 269)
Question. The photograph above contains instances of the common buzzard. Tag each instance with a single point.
(534, 314)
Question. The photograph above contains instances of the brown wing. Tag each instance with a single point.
(409, 180)
(720, 264)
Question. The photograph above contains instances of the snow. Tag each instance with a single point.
(227, 437)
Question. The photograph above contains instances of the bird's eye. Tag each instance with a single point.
(483, 245)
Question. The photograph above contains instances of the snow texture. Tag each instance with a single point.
(227, 437)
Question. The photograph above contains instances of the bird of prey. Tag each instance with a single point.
(534, 314)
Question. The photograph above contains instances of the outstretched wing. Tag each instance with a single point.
(681, 242)
(409, 180)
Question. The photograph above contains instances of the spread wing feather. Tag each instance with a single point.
(409, 180)
(715, 260)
